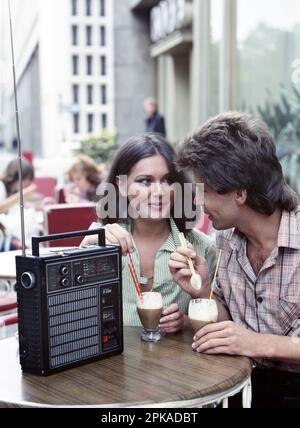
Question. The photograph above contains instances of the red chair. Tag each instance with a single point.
(46, 186)
(68, 218)
(8, 302)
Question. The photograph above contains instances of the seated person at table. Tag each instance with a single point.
(258, 287)
(84, 176)
(147, 226)
(9, 200)
(9, 184)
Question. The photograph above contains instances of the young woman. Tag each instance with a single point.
(84, 176)
(147, 224)
(9, 184)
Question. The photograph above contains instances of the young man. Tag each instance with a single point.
(258, 287)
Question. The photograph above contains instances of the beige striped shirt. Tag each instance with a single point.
(267, 303)
(162, 281)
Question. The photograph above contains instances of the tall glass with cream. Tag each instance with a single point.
(202, 312)
(150, 308)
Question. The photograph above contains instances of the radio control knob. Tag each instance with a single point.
(64, 282)
(79, 279)
(64, 270)
(28, 280)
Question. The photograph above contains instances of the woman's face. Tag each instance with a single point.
(81, 182)
(149, 189)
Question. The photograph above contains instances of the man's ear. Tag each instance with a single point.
(240, 197)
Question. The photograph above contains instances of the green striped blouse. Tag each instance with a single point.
(162, 281)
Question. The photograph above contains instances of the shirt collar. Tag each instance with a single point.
(171, 243)
(288, 234)
(289, 230)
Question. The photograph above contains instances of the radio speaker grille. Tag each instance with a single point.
(73, 326)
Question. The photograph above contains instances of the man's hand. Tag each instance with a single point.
(181, 272)
(172, 319)
(226, 338)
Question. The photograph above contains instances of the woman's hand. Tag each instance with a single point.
(172, 319)
(181, 272)
(115, 235)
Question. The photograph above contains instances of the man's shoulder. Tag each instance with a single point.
(223, 238)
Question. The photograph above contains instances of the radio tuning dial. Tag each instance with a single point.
(64, 282)
(64, 270)
(79, 279)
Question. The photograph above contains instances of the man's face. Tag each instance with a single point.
(150, 108)
(222, 210)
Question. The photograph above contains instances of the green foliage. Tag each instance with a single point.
(283, 116)
(100, 147)
(291, 169)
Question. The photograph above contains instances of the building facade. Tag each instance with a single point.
(85, 65)
(219, 55)
(64, 66)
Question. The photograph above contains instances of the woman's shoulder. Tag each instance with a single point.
(200, 239)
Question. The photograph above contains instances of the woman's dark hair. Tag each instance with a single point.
(141, 147)
(234, 151)
(11, 174)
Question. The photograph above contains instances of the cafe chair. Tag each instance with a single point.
(46, 186)
(61, 218)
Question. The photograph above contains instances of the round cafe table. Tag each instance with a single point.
(164, 374)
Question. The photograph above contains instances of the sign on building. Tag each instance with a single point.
(169, 16)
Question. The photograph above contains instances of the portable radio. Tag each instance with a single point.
(69, 305)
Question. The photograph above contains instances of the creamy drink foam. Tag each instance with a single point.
(202, 312)
(150, 310)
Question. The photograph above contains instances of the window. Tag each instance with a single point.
(102, 36)
(90, 122)
(75, 65)
(104, 120)
(103, 65)
(74, 35)
(76, 129)
(102, 7)
(75, 90)
(89, 94)
(103, 94)
(74, 6)
(89, 65)
(216, 26)
(88, 7)
(89, 35)
(267, 49)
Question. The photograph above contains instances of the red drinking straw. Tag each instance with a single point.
(134, 278)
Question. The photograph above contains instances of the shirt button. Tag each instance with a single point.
(260, 299)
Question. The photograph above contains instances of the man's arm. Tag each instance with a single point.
(230, 338)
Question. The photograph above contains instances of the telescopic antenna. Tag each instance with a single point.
(18, 137)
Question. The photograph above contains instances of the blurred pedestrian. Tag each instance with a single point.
(154, 121)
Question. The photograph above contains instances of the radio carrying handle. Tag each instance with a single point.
(37, 240)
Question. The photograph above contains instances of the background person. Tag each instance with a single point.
(258, 219)
(9, 184)
(84, 176)
(154, 121)
(151, 233)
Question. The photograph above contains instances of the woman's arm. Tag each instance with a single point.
(14, 199)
